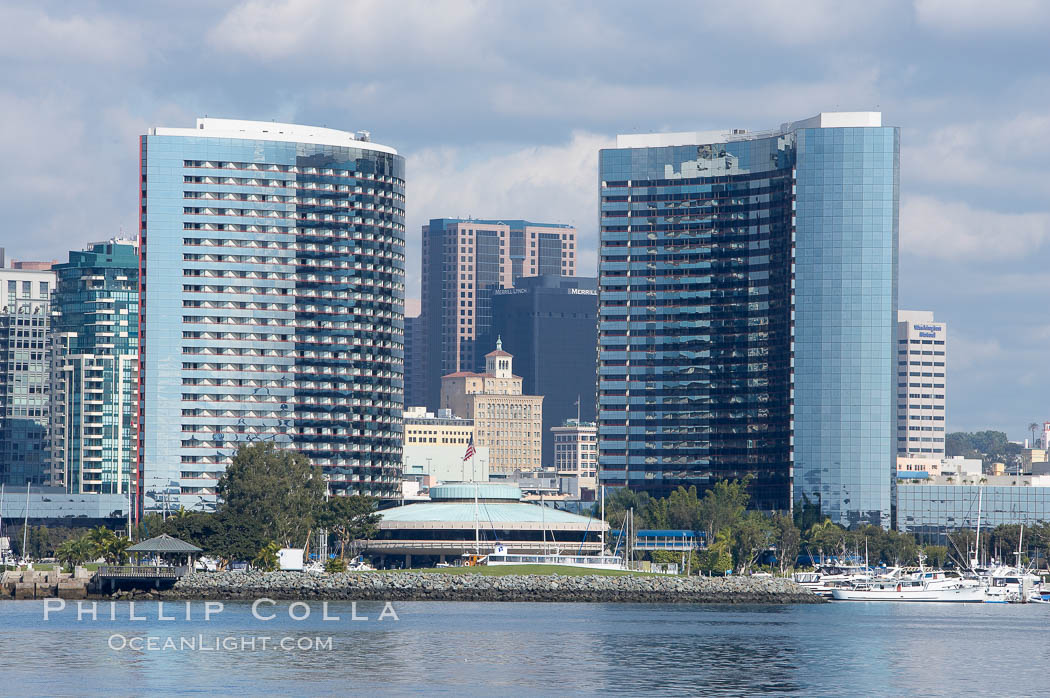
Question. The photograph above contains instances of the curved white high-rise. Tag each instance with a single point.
(272, 298)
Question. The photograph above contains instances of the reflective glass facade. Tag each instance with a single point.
(934, 510)
(747, 315)
(25, 365)
(94, 377)
(272, 305)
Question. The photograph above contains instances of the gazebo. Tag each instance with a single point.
(171, 551)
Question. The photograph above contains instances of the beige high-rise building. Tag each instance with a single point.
(920, 384)
(576, 451)
(508, 423)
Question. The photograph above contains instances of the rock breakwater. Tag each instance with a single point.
(419, 586)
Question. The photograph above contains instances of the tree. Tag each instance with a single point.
(116, 551)
(350, 519)
(723, 505)
(335, 565)
(268, 495)
(787, 539)
(266, 559)
(683, 509)
(807, 513)
(936, 555)
(75, 551)
(100, 539)
(751, 536)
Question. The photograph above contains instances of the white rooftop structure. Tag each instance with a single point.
(835, 119)
(274, 131)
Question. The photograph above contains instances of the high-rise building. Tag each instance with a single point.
(25, 361)
(921, 359)
(464, 261)
(748, 312)
(506, 421)
(94, 368)
(550, 325)
(272, 291)
(576, 454)
(415, 393)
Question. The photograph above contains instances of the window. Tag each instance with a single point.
(27, 288)
(44, 289)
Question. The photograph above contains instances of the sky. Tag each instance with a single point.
(500, 109)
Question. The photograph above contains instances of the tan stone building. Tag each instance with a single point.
(508, 423)
(576, 452)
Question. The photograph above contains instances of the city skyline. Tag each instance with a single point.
(973, 201)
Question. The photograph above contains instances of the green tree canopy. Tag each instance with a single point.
(268, 495)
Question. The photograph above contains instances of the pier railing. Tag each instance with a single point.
(141, 572)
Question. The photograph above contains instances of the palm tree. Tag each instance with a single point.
(116, 550)
(76, 551)
(100, 539)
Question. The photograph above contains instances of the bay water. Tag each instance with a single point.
(523, 649)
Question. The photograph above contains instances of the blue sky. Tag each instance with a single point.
(500, 109)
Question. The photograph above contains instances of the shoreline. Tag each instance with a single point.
(419, 586)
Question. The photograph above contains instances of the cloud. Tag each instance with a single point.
(364, 34)
(958, 16)
(955, 230)
(967, 353)
(985, 153)
(28, 35)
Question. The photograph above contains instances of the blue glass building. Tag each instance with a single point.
(272, 288)
(94, 379)
(748, 312)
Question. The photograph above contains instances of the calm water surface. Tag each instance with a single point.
(534, 649)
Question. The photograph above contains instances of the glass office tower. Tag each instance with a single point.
(25, 365)
(94, 375)
(272, 272)
(748, 312)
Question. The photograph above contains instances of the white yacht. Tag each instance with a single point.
(933, 590)
(500, 556)
(826, 578)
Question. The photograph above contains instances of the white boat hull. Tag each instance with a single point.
(962, 595)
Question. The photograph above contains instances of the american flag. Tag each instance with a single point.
(470, 450)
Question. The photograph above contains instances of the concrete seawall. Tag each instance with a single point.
(416, 586)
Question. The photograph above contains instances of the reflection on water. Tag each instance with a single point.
(491, 648)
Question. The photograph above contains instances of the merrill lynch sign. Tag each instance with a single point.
(572, 291)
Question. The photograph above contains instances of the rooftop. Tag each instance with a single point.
(164, 544)
(274, 131)
(835, 119)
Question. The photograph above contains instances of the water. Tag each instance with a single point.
(529, 649)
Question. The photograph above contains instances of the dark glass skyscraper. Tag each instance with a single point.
(94, 375)
(549, 324)
(272, 305)
(748, 312)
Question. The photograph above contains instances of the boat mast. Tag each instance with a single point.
(477, 523)
(3, 553)
(1020, 538)
(976, 560)
(601, 529)
(25, 527)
